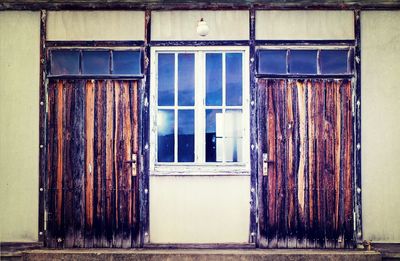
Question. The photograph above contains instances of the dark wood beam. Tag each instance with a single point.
(192, 4)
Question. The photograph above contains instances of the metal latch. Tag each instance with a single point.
(266, 161)
(134, 164)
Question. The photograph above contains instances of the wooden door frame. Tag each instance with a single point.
(356, 111)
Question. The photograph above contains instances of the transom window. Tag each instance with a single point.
(313, 62)
(200, 107)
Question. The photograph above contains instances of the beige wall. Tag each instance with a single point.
(380, 43)
(304, 25)
(193, 209)
(182, 25)
(19, 125)
(95, 25)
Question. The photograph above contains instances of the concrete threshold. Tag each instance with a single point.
(200, 255)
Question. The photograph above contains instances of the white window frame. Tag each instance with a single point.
(198, 167)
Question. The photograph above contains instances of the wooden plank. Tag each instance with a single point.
(127, 167)
(188, 5)
(89, 166)
(51, 150)
(301, 177)
(311, 165)
(78, 161)
(271, 149)
(118, 168)
(320, 160)
(99, 165)
(135, 179)
(329, 172)
(67, 167)
(42, 128)
(338, 149)
(347, 164)
(59, 177)
(262, 148)
(109, 161)
(281, 205)
(291, 101)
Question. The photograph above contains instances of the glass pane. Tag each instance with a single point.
(64, 62)
(303, 61)
(166, 78)
(126, 62)
(213, 79)
(233, 123)
(211, 135)
(186, 135)
(234, 79)
(333, 61)
(272, 62)
(96, 62)
(165, 128)
(233, 149)
(186, 79)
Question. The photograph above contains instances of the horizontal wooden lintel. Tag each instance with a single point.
(99, 77)
(306, 42)
(94, 43)
(200, 5)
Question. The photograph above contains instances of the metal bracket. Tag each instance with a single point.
(134, 164)
(266, 162)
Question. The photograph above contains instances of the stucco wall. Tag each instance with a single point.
(182, 25)
(95, 25)
(192, 209)
(380, 38)
(304, 25)
(19, 125)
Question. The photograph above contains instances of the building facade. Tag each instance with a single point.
(270, 125)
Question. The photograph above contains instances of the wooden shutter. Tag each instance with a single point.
(306, 187)
(92, 189)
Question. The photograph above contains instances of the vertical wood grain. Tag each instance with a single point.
(126, 167)
(51, 152)
(67, 168)
(290, 164)
(281, 205)
(60, 140)
(348, 158)
(89, 166)
(301, 177)
(78, 161)
(271, 148)
(109, 161)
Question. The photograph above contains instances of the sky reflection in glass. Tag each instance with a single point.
(213, 79)
(96, 62)
(166, 78)
(165, 125)
(186, 135)
(186, 79)
(234, 79)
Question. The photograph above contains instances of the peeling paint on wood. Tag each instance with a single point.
(305, 127)
(93, 132)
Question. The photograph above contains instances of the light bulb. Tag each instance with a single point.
(202, 28)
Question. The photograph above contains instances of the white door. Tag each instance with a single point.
(200, 169)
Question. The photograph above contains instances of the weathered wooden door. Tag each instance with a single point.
(305, 167)
(92, 174)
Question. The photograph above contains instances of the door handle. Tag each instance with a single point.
(134, 164)
(266, 162)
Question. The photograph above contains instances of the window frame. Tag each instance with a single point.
(319, 74)
(81, 75)
(200, 167)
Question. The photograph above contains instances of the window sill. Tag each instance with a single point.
(174, 169)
